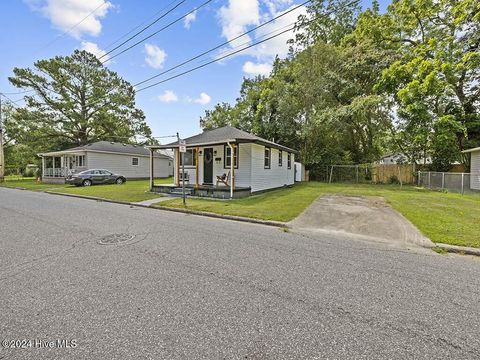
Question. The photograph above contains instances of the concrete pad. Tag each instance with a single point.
(368, 218)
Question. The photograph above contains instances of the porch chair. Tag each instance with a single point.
(224, 179)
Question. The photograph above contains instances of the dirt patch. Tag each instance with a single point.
(369, 217)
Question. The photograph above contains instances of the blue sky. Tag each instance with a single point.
(38, 29)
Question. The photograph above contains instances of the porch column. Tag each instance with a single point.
(43, 167)
(196, 169)
(177, 166)
(151, 169)
(233, 167)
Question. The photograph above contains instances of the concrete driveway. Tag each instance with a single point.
(190, 287)
(367, 218)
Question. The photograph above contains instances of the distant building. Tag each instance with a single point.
(474, 167)
(131, 161)
(400, 158)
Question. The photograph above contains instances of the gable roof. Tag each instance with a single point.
(111, 147)
(221, 136)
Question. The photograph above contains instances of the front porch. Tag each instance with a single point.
(210, 191)
(57, 167)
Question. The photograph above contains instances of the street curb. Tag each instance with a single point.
(219, 216)
(459, 249)
(178, 210)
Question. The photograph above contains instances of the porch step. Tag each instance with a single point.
(178, 191)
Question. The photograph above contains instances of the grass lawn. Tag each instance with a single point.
(443, 217)
(132, 191)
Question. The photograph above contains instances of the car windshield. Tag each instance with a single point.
(85, 172)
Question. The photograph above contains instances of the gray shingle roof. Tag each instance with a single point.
(113, 147)
(222, 135)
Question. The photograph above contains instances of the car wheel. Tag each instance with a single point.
(119, 181)
(87, 182)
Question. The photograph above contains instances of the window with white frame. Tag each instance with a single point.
(289, 160)
(190, 157)
(80, 160)
(267, 158)
(280, 160)
(227, 151)
(135, 161)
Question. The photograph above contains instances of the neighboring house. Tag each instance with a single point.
(474, 167)
(211, 170)
(131, 161)
(391, 159)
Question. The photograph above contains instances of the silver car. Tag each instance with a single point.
(94, 177)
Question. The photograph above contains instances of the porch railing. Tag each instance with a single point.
(54, 172)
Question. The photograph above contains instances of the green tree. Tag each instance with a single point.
(77, 101)
(437, 69)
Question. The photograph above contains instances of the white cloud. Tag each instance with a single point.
(155, 56)
(203, 99)
(277, 46)
(75, 17)
(235, 18)
(95, 50)
(251, 68)
(189, 19)
(168, 96)
(241, 15)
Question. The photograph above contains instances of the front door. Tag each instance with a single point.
(208, 166)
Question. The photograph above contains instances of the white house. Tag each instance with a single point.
(474, 167)
(257, 164)
(131, 161)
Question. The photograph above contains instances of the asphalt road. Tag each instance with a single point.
(189, 287)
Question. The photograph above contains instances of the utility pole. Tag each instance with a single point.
(182, 149)
(2, 158)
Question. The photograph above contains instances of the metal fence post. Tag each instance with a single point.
(463, 175)
(443, 180)
(418, 178)
(429, 179)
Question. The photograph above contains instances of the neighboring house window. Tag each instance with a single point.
(280, 160)
(268, 153)
(135, 161)
(190, 157)
(227, 158)
(80, 160)
(289, 160)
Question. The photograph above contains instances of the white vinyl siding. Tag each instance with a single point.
(274, 177)
(122, 164)
(475, 170)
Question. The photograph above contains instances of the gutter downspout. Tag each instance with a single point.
(232, 167)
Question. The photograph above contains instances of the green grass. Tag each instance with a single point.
(443, 217)
(131, 191)
(30, 184)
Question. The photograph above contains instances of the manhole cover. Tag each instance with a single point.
(113, 239)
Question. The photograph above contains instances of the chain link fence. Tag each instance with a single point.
(456, 182)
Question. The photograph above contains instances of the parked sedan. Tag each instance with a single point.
(95, 176)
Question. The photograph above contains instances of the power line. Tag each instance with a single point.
(222, 44)
(158, 31)
(244, 48)
(74, 26)
(142, 30)
(136, 27)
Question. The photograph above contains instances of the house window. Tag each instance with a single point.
(280, 160)
(80, 160)
(268, 152)
(190, 157)
(227, 158)
(135, 161)
(289, 160)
